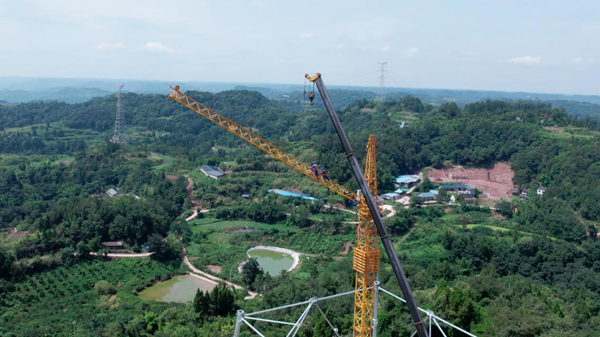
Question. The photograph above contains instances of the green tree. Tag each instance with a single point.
(250, 271)
(505, 208)
(456, 305)
(426, 185)
(104, 288)
(416, 201)
(222, 299)
(322, 328)
(202, 304)
(450, 110)
(159, 247)
(5, 264)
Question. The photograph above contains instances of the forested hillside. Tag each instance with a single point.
(530, 267)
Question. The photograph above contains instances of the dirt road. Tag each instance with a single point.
(210, 277)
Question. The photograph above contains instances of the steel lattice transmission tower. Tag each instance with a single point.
(119, 130)
(381, 93)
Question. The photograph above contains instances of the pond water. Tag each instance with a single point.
(272, 261)
(178, 289)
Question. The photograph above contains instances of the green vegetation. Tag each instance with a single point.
(97, 296)
(531, 272)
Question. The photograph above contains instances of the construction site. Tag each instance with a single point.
(369, 230)
(495, 183)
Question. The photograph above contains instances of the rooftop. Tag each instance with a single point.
(430, 194)
(112, 192)
(407, 179)
(211, 170)
(456, 186)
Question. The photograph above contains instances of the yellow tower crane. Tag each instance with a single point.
(366, 254)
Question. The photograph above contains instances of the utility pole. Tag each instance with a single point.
(381, 93)
(119, 129)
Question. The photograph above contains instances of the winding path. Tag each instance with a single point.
(124, 255)
(209, 277)
(188, 192)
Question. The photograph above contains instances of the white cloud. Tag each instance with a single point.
(577, 60)
(412, 51)
(386, 48)
(581, 60)
(157, 47)
(526, 60)
(306, 35)
(108, 46)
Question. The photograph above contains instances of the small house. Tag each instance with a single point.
(524, 193)
(212, 172)
(541, 191)
(112, 193)
(391, 196)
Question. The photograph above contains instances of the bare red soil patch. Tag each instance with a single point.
(214, 268)
(495, 183)
(16, 236)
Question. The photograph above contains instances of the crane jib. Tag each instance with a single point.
(259, 142)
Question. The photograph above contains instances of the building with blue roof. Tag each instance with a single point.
(463, 190)
(391, 196)
(431, 195)
(407, 180)
(292, 194)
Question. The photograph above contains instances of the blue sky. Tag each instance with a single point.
(535, 46)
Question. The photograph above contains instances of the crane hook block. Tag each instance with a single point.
(311, 97)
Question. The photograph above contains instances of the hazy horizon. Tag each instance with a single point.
(512, 46)
(118, 81)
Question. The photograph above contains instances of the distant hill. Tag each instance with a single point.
(578, 109)
(75, 90)
(64, 94)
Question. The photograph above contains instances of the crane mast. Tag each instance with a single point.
(366, 254)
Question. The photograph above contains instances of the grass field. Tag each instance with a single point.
(203, 225)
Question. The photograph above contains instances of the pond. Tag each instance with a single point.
(272, 261)
(178, 289)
